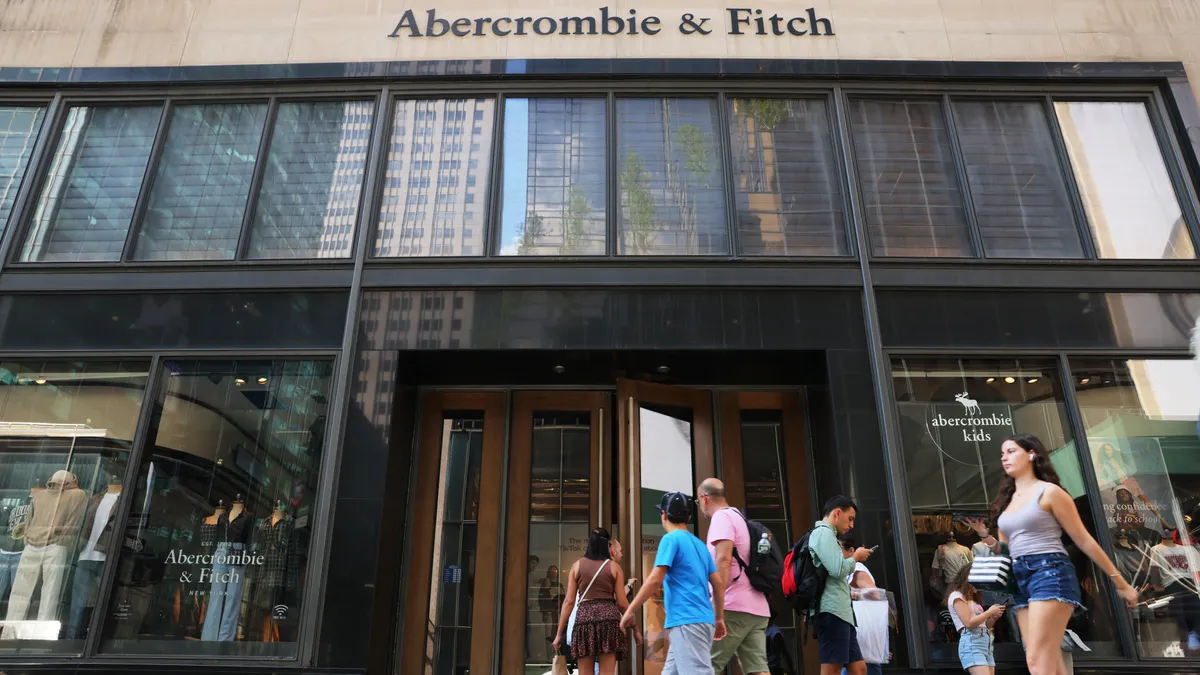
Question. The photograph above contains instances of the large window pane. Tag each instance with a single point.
(66, 429)
(672, 186)
(789, 196)
(1016, 182)
(436, 185)
(559, 498)
(1140, 417)
(1131, 205)
(910, 190)
(309, 197)
(215, 550)
(19, 127)
(954, 416)
(199, 194)
(86, 205)
(554, 164)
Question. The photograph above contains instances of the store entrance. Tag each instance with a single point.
(509, 484)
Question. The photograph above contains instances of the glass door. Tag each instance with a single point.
(666, 445)
(450, 607)
(556, 489)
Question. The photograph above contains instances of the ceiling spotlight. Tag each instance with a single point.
(262, 380)
(40, 380)
(991, 380)
(663, 370)
(559, 370)
(239, 381)
(1085, 380)
(1010, 379)
(1033, 380)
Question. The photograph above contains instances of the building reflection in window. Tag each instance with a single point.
(216, 544)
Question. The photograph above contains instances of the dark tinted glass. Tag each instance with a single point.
(309, 197)
(19, 128)
(910, 191)
(554, 163)
(1016, 182)
(216, 547)
(789, 196)
(671, 181)
(954, 417)
(179, 320)
(436, 186)
(1140, 420)
(66, 430)
(199, 194)
(87, 201)
(1008, 319)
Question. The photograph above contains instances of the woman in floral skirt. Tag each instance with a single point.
(597, 583)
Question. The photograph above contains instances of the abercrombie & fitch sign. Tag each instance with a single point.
(735, 21)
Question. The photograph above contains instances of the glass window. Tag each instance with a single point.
(215, 550)
(455, 539)
(199, 194)
(554, 176)
(66, 429)
(788, 194)
(672, 186)
(954, 416)
(910, 189)
(427, 192)
(1142, 431)
(1015, 179)
(560, 494)
(1131, 205)
(86, 204)
(19, 127)
(309, 197)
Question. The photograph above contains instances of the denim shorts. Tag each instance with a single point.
(975, 648)
(1048, 576)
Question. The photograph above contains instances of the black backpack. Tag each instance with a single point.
(763, 570)
(805, 580)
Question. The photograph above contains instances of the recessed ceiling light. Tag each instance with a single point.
(1085, 380)
(991, 380)
(40, 380)
(1010, 379)
(239, 381)
(262, 380)
(560, 369)
(1033, 380)
(663, 370)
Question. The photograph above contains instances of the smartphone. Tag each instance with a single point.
(874, 548)
(1007, 602)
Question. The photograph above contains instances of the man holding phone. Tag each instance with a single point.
(834, 620)
(870, 613)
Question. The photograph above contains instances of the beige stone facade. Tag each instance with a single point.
(83, 33)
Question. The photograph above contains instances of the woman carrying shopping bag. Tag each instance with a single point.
(594, 604)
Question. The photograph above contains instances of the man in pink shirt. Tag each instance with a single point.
(746, 610)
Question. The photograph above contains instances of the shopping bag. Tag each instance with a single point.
(992, 572)
(559, 665)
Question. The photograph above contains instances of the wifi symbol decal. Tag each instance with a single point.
(279, 611)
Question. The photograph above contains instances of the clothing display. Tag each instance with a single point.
(228, 580)
(56, 512)
(97, 527)
(950, 559)
(47, 563)
(1176, 564)
(8, 571)
(84, 584)
(279, 576)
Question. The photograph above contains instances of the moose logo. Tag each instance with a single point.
(970, 404)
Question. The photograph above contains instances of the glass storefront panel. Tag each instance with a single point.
(670, 177)
(553, 198)
(66, 430)
(1131, 204)
(787, 188)
(198, 198)
(1140, 417)
(913, 202)
(217, 543)
(87, 202)
(1015, 180)
(954, 416)
(436, 184)
(19, 129)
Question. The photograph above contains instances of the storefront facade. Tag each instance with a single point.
(330, 329)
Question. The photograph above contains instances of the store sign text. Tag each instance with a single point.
(738, 21)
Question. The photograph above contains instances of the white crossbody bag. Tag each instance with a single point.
(578, 598)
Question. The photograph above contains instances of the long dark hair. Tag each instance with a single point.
(1043, 470)
(597, 546)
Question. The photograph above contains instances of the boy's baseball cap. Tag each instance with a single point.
(676, 505)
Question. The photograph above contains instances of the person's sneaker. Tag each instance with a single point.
(1194, 641)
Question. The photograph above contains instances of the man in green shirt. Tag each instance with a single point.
(838, 643)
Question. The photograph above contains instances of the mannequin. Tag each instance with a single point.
(274, 541)
(950, 558)
(1132, 564)
(55, 517)
(1173, 566)
(96, 532)
(228, 572)
(12, 541)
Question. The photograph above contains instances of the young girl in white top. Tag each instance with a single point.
(972, 622)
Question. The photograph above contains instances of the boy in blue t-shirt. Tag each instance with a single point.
(685, 568)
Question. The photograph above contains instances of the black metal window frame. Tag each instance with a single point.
(368, 221)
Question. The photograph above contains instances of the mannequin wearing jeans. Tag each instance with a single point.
(97, 527)
(228, 580)
(12, 535)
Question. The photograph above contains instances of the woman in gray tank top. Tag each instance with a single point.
(1031, 512)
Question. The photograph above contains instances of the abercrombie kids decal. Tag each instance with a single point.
(973, 423)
